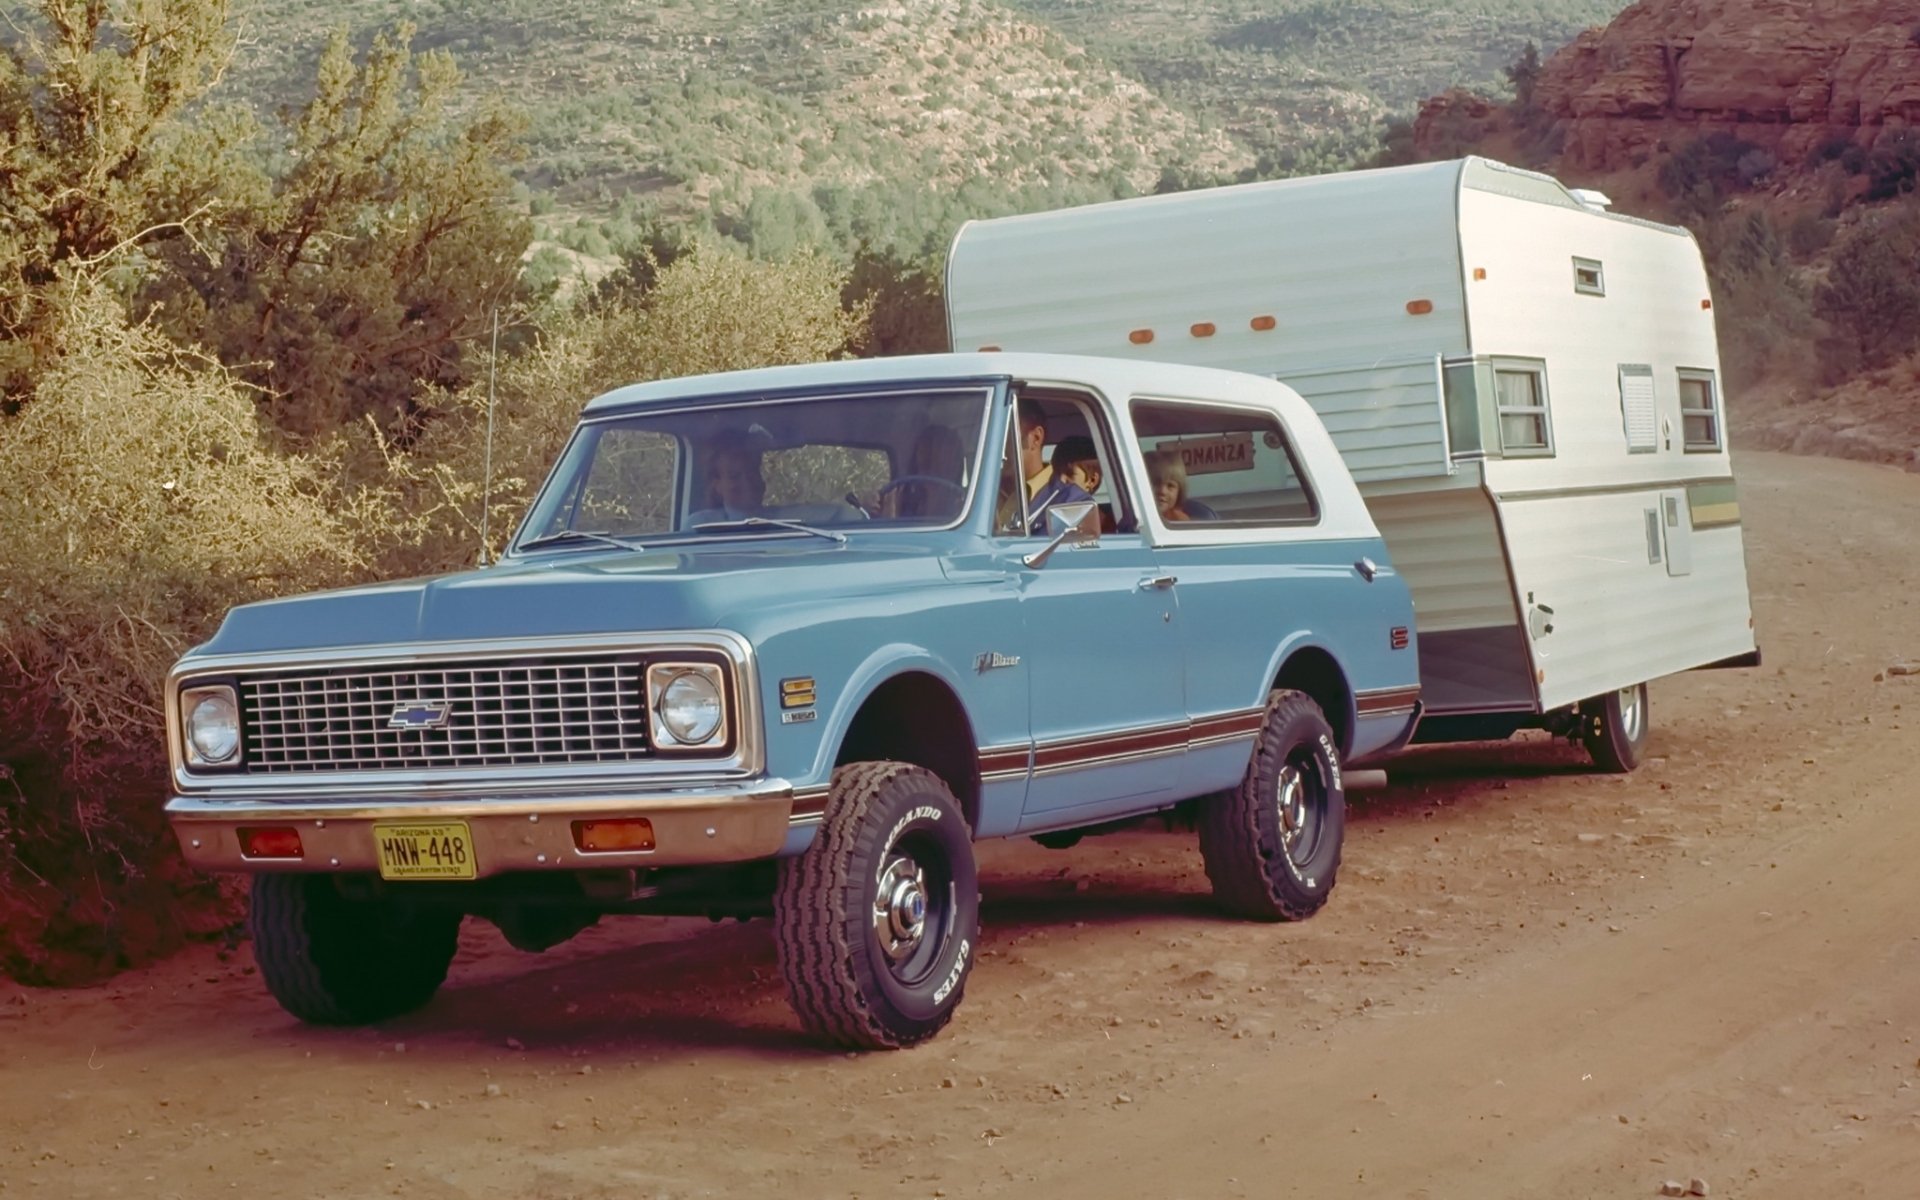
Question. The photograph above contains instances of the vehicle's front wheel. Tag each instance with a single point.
(332, 960)
(1614, 728)
(877, 923)
(1272, 845)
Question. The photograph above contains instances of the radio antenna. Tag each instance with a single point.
(486, 484)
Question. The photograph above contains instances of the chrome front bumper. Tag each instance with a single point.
(509, 833)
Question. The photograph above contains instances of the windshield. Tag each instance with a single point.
(819, 465)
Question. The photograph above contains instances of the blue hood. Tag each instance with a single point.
(557, 595)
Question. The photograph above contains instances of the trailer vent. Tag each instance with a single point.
(1638, 412)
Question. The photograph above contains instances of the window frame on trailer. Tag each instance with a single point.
(1717, 442)
(1536, 368)
(1599, 271)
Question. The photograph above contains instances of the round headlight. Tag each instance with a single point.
(690, 708)
(213, 726)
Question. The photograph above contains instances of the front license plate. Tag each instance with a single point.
(439, 851)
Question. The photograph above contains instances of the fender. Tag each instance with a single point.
(884, 664)
(1292, 644)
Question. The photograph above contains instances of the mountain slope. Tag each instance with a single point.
(907, 115)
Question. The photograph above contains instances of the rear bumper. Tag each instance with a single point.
(509, 833)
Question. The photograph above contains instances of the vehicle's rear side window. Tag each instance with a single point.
(1222, 465)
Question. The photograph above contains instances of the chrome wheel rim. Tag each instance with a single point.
(900, 909)
(1632, 712)
(1301, 797)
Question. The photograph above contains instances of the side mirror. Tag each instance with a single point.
(1067, 525)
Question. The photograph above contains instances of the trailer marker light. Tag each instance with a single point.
(1479, 272)
(1262, 324)
(632, 833)
(1419, 308)
(1706, 304)
(1540, 676)
(1203, 329)
(279, 841)
(1140, 337)
(988, 349)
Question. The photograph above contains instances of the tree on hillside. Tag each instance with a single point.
(1524, 74)
(93, 155)
(369, 266)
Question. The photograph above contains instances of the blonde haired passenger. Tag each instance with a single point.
(1168, 475)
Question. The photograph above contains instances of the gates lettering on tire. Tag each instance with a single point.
(953, 977)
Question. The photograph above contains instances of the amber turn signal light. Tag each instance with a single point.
(632, 833)
(279, 841)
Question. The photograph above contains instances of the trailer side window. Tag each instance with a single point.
(1699, 411)
(1589, 279)
(1221, 465)
(1520, 389)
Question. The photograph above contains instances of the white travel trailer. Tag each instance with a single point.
(1525, 384)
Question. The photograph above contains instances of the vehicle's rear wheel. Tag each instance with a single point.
(1614, 728)
(331, 960)
(876, 924)
(1272, 845)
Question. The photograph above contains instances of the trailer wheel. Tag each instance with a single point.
(330, 960)
(1272, 845)
(1614, 728)
(876, 923)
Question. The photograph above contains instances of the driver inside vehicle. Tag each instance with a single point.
(736, 489)
(935, 481)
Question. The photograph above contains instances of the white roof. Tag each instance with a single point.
(1111, 375)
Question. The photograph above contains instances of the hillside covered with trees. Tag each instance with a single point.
(881, 127)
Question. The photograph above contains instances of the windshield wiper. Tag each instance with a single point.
(773, 522)
(580, 535)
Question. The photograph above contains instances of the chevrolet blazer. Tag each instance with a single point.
(785, 643)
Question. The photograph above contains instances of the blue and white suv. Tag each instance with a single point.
(786, 643)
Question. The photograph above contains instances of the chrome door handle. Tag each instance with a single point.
(1157, 583)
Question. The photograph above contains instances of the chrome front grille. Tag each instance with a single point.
(501, 713)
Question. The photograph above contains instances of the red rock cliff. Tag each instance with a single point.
(1788, 74)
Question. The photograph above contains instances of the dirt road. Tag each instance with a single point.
(1532, 980)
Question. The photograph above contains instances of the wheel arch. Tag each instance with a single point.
(1306, 666)
(915, 716)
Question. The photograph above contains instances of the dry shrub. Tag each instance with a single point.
(140, 501)
(1871, 295)
(1765, 313)
(710, 310)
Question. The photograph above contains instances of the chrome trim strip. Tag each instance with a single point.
(1611, 489)
(1147, 742)
(747, 761)
(1109, 760)
(356, 807)
(1378, 701)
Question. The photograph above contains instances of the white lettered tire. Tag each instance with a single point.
(1272, 845)
(878, 923)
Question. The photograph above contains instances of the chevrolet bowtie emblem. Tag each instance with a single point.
(420, 715)
(993, 660)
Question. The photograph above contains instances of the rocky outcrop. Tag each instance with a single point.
(1786, 74)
